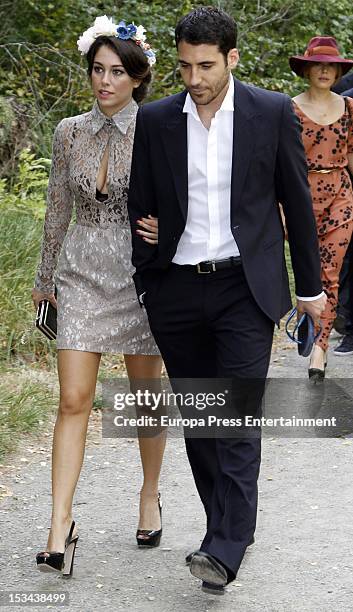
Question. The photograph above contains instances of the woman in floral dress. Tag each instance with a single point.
(327, 131)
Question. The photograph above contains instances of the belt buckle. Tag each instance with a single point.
(207, 271)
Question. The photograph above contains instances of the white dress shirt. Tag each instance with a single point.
(207, 234)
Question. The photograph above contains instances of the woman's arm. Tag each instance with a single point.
(57, 217)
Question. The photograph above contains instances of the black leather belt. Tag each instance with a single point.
(206, 267)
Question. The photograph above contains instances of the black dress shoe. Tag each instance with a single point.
(190, 555)
(208, 569)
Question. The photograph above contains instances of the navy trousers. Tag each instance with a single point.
(209, 326)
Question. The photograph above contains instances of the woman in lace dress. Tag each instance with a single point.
(91, 268)
(327, 131)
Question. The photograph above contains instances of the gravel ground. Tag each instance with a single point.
(301, 561)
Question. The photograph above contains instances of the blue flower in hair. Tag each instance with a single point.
(124, 31)
(132, 29)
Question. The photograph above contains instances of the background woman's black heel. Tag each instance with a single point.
(317, 375)
(59, 562)
(151, 537)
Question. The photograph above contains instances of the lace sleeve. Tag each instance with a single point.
(59, 210)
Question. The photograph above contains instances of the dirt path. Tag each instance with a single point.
(301, 561)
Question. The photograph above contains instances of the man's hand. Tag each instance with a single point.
(314, 308)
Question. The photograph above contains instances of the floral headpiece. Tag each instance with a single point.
(104, 26)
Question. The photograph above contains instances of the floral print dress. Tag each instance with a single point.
(327, 147)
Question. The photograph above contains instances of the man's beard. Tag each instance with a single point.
(217, 89)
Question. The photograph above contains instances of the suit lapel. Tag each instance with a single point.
(174, 135)
(246, 120)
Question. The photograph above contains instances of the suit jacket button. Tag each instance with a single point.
(236, 227)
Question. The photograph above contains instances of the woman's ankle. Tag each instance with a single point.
(149, 492)
(318, 356)
(61, 518)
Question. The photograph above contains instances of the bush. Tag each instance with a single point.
(22, 212)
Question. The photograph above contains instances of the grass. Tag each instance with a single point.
(20, 235)
(26, 402)
(290, 272)
(26, 391)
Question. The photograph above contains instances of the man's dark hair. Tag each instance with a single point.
(132, 58)
(208, 25)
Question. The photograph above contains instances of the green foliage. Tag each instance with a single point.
(21, 220)
(271, 31)
(40, 64)
(7, 117)
(20, 235)
(31, 183)
(27, 194)
(24, 406)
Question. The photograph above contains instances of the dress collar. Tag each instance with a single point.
(122, 120)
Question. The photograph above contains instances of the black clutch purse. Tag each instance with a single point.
(46, 319)
(304, 333)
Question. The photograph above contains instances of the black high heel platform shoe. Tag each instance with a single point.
(59, 562)
(151, 537)
(317, 375)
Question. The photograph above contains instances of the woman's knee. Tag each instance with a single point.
(75, 401)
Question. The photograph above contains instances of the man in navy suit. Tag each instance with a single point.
(345, 296)
(345, 85)
(348, 92)
(212, 163)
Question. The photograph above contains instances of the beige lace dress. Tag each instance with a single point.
(90, 261)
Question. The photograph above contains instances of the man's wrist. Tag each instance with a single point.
(311, 299)
(141, 298)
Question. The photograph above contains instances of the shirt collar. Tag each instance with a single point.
(122, 120)
(227, 104)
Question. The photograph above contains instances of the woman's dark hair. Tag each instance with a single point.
(132, 58)
(208, 25)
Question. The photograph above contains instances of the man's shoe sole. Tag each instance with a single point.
(208, 570)
(190, 555)
(212, 589)
(343, 353)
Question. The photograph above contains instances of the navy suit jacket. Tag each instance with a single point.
(348, 93)
(346, 82)
(268, 166)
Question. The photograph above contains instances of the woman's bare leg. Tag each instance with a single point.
(77, 376)
(151, 448)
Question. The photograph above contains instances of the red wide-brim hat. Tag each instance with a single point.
(320, 49)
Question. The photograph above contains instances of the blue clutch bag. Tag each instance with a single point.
(303, 333)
